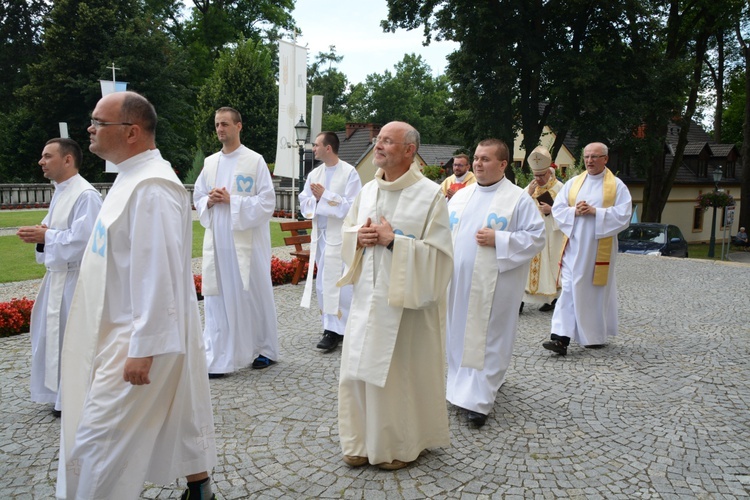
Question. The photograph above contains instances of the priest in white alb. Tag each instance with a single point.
(328, 195)
(235, 199)
(591, 210)
(398, 255)
(60, 242)
(541, 286)
(135, 396)
(496, 230)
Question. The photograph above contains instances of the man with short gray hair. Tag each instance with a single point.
(398, 255)
(591, 209)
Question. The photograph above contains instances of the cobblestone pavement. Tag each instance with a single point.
(661, 412)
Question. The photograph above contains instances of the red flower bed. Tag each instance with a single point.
(15, 316)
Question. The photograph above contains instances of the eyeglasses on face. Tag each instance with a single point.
(385, 141)
(98, 124)
(593, 157)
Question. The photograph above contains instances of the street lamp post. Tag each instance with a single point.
(301, 130)
(712, 242)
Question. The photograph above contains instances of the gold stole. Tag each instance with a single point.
(604, 247)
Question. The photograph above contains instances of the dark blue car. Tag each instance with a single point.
(649, 238)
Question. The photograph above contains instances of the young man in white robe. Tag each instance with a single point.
(398, 255)
(329, 193)
(542, 287)
(235, 199)
(135, 396)
(591, 210)
(60, 242)
(496, 230)
(461, 177)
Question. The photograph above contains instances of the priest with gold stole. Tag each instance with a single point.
(591, 210)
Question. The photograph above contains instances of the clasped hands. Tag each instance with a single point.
(371, 234)
(583, 208)
(317, 190)
(218, 195)
(32, 234)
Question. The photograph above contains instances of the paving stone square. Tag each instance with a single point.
(661, 412)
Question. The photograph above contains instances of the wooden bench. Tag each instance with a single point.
(296, 239)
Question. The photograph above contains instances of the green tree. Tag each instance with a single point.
(733, 115)
(412, 94)
(214, 25)
(242, 78)
(20, 45)
(81, 39)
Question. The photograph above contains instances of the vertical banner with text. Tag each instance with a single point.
(292, 105)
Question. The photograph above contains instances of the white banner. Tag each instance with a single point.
(110, 87)
(292, 105)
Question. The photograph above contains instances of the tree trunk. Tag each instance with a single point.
(745, 149)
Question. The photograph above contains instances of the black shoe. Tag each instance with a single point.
(546, 307)
(186, 496)
(520, 309)
(330, 341)
(262, 362)
(595, 346)
(56, 413)
(476, 419)
(216, 375)
(556, 346)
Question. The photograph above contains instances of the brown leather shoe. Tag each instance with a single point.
(395, 465)
(353, 461)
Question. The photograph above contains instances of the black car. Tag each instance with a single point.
(648, 238)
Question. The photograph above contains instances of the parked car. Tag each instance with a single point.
(653, 239)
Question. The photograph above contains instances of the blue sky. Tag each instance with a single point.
(353, 26)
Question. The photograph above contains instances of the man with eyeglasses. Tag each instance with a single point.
(591, 209)
(60, 243)
(398, 255)
(135, 396)
(541, 286)
(328, 194)
(461, 177)
(234, 199)
(496, 230)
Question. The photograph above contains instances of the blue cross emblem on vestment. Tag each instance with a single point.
(99, 244)
(453, 219)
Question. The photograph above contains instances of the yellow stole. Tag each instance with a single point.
(604, 247)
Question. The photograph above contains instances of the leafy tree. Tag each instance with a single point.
(323, 79)
(733, 114)
(20, 44)
(242, 78)
(217, 24)
(412, 94)
(81, 39)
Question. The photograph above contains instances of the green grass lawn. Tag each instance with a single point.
(19, 264)
(18, 218)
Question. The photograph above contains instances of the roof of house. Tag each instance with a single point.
(437, 154)
(352, 149)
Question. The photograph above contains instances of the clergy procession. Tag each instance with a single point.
(420, 283)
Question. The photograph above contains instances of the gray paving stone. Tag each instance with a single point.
(660, 413)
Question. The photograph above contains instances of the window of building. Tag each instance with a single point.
(729, 170)
(702, 169)
(698, 219)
